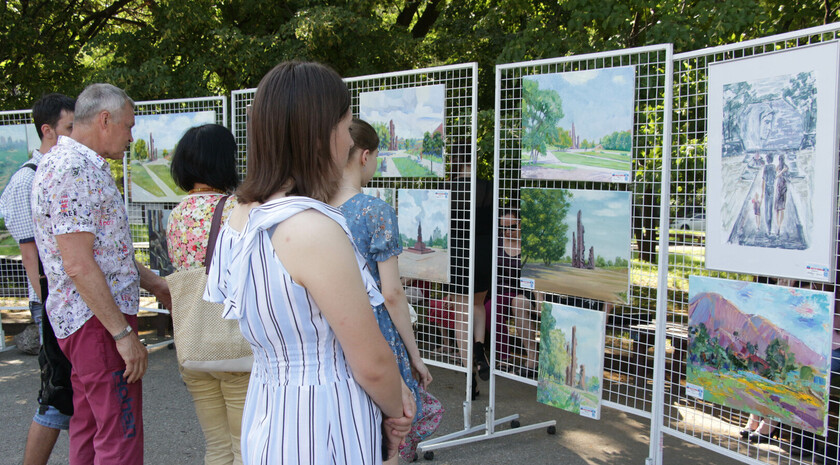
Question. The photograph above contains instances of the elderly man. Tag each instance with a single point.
(82, 233)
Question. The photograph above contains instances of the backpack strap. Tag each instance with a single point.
(31, 166)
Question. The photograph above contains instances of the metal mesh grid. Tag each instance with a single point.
(137, 210)
(629, 344)
(703, 423)
(14, 288)
(442, 322)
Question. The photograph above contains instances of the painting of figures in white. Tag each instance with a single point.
(771, 166)
(423, 219)
(578, 125)
(155, 138)
(410, 126)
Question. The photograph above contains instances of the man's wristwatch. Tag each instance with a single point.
(123, 333)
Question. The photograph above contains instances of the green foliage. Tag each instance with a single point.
(544, 232)
(619, 140)
(542, 109)
(384, 135)
(139, 150)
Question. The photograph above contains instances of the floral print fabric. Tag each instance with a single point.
(189, 228)
(73, 191)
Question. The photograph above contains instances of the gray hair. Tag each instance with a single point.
(98, 97)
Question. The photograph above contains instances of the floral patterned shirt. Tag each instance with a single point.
(189, 228)
(73, 191)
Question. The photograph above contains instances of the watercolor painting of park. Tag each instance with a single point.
(423, 219)
(578, 125)
(576, 242)
(772, 164)
(571, 359)
(761, 348)
(155, 138)
(410, 125)
(17, 141)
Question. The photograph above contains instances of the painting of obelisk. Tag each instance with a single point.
(423, 217)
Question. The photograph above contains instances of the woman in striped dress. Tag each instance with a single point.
(285, 267)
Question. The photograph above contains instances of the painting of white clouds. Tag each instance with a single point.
(423, 218)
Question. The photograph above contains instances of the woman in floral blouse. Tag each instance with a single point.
(204, 163)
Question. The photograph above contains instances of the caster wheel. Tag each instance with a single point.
(429, 455)
(552, 429)
(515, 424)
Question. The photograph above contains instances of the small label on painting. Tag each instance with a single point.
(620, 177)
(526, 283)
(816, 271)
(693, 390)
(441, 195)
(589, 412)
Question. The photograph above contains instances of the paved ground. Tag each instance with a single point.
(173, 436)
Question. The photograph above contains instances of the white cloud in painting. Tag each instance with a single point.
(414, 110)
(429, 207)
(167, 129)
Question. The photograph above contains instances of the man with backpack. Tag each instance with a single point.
(53, 117)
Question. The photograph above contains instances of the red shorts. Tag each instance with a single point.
(107, 422)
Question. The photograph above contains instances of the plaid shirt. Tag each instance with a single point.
(74, 192)
(16, 208)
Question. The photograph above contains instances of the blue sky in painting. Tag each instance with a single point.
(170, 127)
(430, 206)
(589, 325)
(17, 132)
(415, 110)
(599, 101)
(606, 219)
(802, 312)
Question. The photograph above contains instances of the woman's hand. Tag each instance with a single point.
(396, 429)
(421, 372)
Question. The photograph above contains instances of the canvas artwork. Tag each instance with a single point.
(576, 242)
(155, 138)
(423, 219)
(158, 250)
(411, 130)
(385, 194)
(578, 125)
(571, 359)
(761, 348)
(17, 141)
(772, 164)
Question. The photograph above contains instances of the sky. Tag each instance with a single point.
(431, 206)
(606, 221)
(169, 128)
(599, 101)
(590, 327)
(802, 312)
(415, 110)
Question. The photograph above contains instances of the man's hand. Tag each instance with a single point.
(135, 355)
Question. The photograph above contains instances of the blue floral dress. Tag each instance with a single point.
(373, 224)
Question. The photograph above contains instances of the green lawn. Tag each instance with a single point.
(8, 245)
(598, 159)
(411, 169)
(162, 171)
(140, 177)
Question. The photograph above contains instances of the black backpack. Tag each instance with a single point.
(56, 389)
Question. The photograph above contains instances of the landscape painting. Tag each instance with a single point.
(571, 359)
(761, 348)
(772, 164)
(578, 125)
(17, 141)
(410, 126)
(423, 218)
(386, 194)
(159, 261)
(576, 242)
(155, 138)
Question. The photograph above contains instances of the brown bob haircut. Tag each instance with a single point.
(294, 112)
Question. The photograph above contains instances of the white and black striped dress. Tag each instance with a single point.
(303, 405)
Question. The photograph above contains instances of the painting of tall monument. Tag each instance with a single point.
(423, 218)
(155, 138)
(571, 359)
(771, 165)
(576, 242)
(410, 125)
(761, 348)
(578, 125)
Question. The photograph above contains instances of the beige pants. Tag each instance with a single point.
(219, 399)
